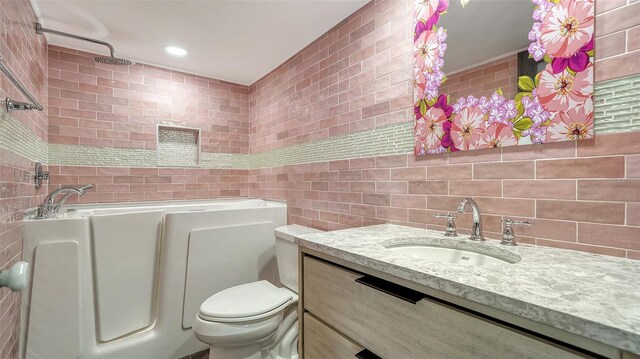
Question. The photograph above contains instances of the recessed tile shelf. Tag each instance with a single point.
(178, 146)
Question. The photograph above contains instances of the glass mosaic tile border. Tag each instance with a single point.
(617, 105)
(617, 110)
(15, 137)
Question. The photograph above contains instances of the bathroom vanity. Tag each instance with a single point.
(360, 298)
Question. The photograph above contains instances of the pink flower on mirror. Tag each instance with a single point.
(419, 85)
(574, 124)
(467, 128)
(434, 118)
(420, 136)
(567, 27)
(429, 10)
(498, 135)
(562, 91)
(427, 49)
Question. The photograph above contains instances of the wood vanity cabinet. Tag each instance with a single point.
(325, 342)
(350, 314)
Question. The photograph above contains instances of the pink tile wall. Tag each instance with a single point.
(584, 197)
(354, 77)
(124, 184)
(579, 195)
(100, 105)
(26, 56)
(617, 38)
(359, 75)
(93, 104)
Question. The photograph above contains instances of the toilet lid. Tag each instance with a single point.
(246, 300)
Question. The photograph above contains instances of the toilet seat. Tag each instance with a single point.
(246, 302)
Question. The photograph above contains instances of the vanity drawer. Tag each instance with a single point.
(397, 328)
(321, 342)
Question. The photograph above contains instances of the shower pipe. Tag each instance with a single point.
(108, 60)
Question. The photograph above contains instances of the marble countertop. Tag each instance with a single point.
(594, 296)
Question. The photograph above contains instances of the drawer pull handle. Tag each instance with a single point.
(366, 354)
(396, 290)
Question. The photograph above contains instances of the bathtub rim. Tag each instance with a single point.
(152, 205)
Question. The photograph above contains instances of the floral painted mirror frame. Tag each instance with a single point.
(554, 106)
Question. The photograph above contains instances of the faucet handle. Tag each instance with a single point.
(508, 234)
(510, 221)
(451, 225)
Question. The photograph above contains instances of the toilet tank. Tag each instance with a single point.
(287, 253)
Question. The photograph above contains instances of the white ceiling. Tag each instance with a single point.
(484, 30)
(238, 41)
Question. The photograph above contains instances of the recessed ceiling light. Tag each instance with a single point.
(175, 50)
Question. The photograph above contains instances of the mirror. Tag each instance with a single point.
(497, 73)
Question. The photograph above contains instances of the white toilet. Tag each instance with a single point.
(256, 320)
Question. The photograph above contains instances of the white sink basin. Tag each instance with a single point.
(449, 250)
(446, 255)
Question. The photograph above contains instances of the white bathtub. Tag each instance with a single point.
(126, 280)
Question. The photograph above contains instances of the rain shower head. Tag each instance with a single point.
(109, 60)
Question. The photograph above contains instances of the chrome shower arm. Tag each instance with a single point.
(41, 30)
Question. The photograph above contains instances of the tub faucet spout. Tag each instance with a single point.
(70, 193)
(50, 208)
(476, 227)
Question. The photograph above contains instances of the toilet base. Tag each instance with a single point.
(246, 352)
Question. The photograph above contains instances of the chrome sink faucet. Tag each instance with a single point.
(49, 208)
(476, 227)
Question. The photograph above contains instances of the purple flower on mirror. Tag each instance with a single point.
(460, 104)
(537, 51)
(577, 62)
(536, 133)
(496, 114)
(534, 110)
(510, 109)
(437, 150)
(420, 28)
(472, 101)
(441, 34)
(542, 8)
(447, 141)
(484, 104)
(497, 99)
(534, 34)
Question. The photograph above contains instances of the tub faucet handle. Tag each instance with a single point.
(508, 235)
(451, 225)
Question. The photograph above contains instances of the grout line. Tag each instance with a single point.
(626, 40)
(614, 9)
(616, 56)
